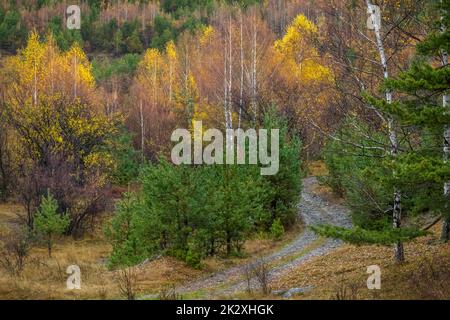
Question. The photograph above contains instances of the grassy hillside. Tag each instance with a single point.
(45, 278)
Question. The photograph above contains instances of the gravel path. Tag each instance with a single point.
(312, 210)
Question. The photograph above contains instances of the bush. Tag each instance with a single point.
(126, 159)
(277, 229)
(14, 250)
(193, 259)
(127, 281)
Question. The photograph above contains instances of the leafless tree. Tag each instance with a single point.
(346, 291)
(14, 251)
(261, 272)
(127, 281)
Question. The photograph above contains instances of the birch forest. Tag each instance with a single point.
(353, 96)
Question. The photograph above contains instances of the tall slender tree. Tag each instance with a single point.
(397, 213)
(445, 234)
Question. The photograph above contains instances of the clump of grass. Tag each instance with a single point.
(346, 291)
(431, 280)
(169, 293)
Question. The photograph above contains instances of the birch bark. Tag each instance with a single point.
(141, 115)
(241, 93)
(445, 234)
(397, 213)
(253, 72)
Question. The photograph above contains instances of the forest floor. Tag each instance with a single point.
(301, 266)
(45, 278)
(311, 267)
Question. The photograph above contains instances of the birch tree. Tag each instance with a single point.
(445, 234)
(254, 83)
(241, 83)
(396, 214)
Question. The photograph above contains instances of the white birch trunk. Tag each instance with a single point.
(35, 84)
(445, 234)
(397, 213)
(225, 84)
(51, 70)
(253, 73)
(230, 76)
(75, 76)
(155, 79)
(227, 80)
(170, 79)
(241, 93)
(143, 17)
(141, 115)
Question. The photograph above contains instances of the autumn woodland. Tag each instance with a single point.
(358, 91)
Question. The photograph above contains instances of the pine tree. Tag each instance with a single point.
(417, 164)
(426, 85)
(424, 92)
(48, 222)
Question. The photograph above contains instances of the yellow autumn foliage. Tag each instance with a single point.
(41, 71)
(206, 34)
(298, 53)
(48, 117)
(171, 50)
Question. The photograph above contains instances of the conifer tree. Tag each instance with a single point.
(49, 222)
(425, 109)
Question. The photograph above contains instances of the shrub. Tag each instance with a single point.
(127, 281)
(277, 229)
(193, 259)
(14, 251)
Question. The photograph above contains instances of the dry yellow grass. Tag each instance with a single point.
(347, 266)
(9, 214)
(317, 168)
(45, 278)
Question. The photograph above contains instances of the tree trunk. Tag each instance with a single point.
(170, 79)
(397, 213)
(225, 88)
(241, 93)
(49, 245)
(227, 80)
(230, 76)
(76, 77)
(253, 73)
(141, 115)
(35, 83)
(445, 234)
(229, 247)
(4, 179)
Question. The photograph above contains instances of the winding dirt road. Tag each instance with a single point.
(312, 210)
